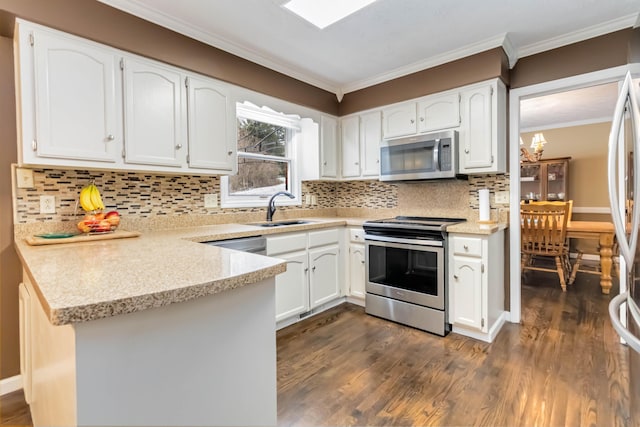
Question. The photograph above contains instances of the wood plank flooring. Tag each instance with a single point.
(562, 366)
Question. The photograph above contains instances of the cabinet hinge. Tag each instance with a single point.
(492, 159)
(482, 268)
(186, 82)
(482, 322)
(491, 91)
(187, 158)
(121, 63)
(31, 39)
(34, 145)
(124, 154)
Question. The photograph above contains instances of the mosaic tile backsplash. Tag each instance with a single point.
(148, 196)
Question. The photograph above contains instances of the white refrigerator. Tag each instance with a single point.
(624, 182)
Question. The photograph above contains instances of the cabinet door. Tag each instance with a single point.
(356, 271)
(466, 292)
(77, 104)
(154, 132)
(370, 137)
(328, 147)
(531, 181)
(324, 284)
(212, 125)
(476, 139)
(292, 289)
(439, 112)
(350, 139)
(399, 120)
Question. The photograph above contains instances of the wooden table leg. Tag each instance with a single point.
(606, 251)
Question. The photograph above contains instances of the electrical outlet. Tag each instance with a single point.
(314, 200)
(47, 204)
(210, 200)
(502, 197)
(24, 178)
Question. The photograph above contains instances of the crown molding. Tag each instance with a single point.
(574, 123)
(424, 64)
(627, 21)
(133, 7)
(510, 50)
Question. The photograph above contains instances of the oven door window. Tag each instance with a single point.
(413, 270)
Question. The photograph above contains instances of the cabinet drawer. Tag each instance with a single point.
(288, 243)
(324, 237)
(467, 246)
(356, 235)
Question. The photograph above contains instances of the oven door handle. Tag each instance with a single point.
(419, 242)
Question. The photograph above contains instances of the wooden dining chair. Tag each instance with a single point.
(543, 232)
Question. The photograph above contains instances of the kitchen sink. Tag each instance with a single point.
(280, 223)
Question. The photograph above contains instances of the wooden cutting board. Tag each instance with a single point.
(118, 234)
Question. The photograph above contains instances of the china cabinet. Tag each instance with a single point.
(545, 180)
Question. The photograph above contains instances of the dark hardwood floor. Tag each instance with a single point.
(562, 366)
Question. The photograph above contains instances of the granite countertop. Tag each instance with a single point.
(472, 227)
(78, 282)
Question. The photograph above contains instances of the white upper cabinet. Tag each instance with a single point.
(86, 105)
(328, 147)
(154, 125)
(360, 143)
(350, 139)
(482, 144)
(370, 137)
(399, 120)
(212, 129)
(439, 112)
(69, 99)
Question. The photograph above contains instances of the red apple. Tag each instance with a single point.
(84, 227)
(113, 217)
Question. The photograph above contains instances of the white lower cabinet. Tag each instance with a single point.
(356, 275)
(476, 284)
(313, 270)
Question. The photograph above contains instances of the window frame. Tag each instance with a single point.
(266, 115)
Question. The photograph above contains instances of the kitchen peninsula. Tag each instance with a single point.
(152, 330)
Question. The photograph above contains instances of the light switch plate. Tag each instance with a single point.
(210, 200)
(24, 178)
(47, 204)
(314, 200)
(502, 197)
(307, 199)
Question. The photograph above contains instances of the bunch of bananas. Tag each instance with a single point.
(90, 198)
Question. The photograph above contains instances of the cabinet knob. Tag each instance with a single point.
(313, 268)
(422, 119)
(412, 121)
(378, 161)
(356, 163)
(306, 269)
(324, 163)
(178, 146)
(362, 262)
(466, 150)
(110, 137)
(466, 247)
(455, 276)
(229, 152)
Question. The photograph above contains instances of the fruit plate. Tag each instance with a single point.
(56, 235)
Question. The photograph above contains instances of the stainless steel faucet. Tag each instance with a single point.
(271, 207)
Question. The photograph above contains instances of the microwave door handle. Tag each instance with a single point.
(436, 156)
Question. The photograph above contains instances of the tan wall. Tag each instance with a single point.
(587, 147)
(599, 53)
(10, 269)
(476, 68)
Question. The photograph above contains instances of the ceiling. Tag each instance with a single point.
(392, 38)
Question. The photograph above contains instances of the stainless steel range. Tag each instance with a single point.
(406, 271)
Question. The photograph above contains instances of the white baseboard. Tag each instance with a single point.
(11, 384)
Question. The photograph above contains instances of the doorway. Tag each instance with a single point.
(516, 96)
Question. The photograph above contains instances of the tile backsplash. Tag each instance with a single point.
(149, 196)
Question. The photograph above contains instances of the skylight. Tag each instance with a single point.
(323, 13)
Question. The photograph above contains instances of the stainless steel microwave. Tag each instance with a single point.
(428, 156)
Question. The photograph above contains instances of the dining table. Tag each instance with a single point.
(604, 233)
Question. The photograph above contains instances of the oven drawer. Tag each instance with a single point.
(467, 246)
